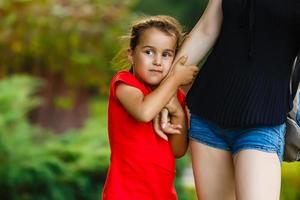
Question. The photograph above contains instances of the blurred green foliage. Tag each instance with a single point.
(290, 184)
(187, 12)
(73, 39)
(35, 163)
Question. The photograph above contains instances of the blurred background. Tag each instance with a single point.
(55, 67)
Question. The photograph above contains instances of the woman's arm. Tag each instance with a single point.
(198, 43)
(203, 36)
(179, 142)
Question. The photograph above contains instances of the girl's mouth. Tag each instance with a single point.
(156, 71)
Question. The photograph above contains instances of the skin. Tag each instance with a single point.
(151, 60)
(247, 175)
(205, 33)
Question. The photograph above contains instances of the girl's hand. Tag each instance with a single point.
(157, 128)
(162, 129)
(184, 74)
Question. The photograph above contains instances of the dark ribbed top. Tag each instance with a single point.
(245, 80)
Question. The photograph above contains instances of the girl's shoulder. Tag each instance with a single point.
(123, 76)
(127, 78)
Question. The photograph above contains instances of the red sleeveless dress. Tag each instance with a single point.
(142, 165)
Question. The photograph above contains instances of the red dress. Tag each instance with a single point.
(142, 165)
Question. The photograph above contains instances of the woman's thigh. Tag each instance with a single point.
(257, 175)
(213, 172)
(257, 161)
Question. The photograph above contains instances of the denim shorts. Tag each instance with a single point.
(264, 138)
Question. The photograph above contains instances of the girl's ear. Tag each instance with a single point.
(130, 56)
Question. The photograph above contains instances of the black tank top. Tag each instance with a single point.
(245, 80)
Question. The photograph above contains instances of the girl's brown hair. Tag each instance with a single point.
(166, 24)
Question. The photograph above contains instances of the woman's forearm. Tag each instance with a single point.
(203, 36)
(179, 142)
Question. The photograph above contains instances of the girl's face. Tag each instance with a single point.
(153, 56)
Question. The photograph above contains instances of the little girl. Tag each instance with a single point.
(142, 163)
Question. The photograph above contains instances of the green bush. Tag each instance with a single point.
(290, 181)
(35, 163)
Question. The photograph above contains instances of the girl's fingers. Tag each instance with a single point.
(157, 128)
(176, 126)
(164, 120)
(172, 129)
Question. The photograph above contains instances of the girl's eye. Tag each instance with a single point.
(167, 54)
(149, 52)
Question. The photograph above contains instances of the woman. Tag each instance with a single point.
(240, 99)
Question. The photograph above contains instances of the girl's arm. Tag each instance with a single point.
(203, 36)
(145, 108)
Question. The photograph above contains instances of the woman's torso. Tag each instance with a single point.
(245, 80)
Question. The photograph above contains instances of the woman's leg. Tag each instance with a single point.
(213, 172)
(257, 175)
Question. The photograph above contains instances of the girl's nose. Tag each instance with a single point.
(157, 61)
